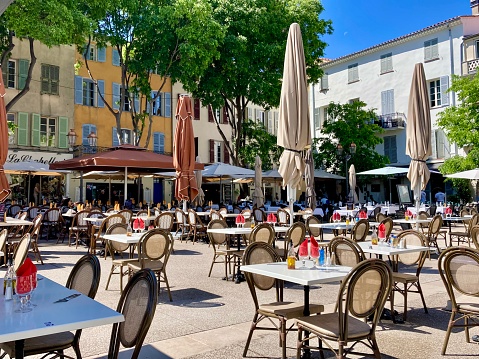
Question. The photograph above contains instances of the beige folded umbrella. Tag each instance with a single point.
(294, 133)
(418, 133)
(258, 196)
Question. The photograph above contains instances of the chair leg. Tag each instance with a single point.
(282, 337)
(36, 251)
(404, 315)
(250, 335)
(211, 267)
(109, 276)
(165, 279)
(448, 333)
(419, 289)
(375, 348)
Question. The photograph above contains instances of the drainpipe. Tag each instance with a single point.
(451, 59)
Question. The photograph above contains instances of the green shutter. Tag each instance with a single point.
(35, 129)
(62, 132)
(22, 73)
(22, 130)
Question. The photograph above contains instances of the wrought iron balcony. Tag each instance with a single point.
(88, 150)
(392, 121)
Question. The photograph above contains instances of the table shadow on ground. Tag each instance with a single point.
(194, 298)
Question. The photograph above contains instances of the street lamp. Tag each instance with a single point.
(72, 138)
(92, 139)
(347, 157)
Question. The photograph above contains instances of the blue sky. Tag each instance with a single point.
(359, 24)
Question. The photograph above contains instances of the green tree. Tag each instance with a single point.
(347, 124)
(176, 39)
(52, 22)
(250, 67)
(259, 142)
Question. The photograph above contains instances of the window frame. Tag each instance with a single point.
(11, 135)
(47, 139)
(431, 50)
(50, 80)
(386, 61)
(9, 75)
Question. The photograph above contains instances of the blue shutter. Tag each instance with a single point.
(101, 54)
(116, 96)
(136, 102)
(167, 104)
(78, 90)
(115, 57)
(156, 142)
(162, 142)
(114, 141)
(444, 81)
(85, 131)
(101, 90)
(159, 105)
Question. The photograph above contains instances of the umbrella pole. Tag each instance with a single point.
(125, 188)
(390, 192)
(29, 181)
(109, 189)
(417, 198)
(81, 186)
(291, 200)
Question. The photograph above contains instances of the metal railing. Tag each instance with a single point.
(395, 120)
(88, 150)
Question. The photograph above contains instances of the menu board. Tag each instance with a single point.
(403, 194)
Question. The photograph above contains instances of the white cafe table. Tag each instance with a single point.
(305, 277)
(451, 219)
(10, 222)
(132, 240)
(49, 317)
(412, 221)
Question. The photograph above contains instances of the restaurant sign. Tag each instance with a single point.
(42, 157)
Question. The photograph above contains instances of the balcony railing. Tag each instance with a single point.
(392, 121)
(472, 66)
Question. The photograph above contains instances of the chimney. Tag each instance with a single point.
(475, 7)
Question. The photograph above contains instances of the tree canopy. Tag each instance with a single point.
(347, 124)
(250, 65)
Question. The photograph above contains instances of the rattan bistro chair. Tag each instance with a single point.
(346, 251)
(138, 305)
(154, 250)
(360, 230)
(295, 234)
(465, 236)
(279, 309)
(474, 236)
(165, 221)
(433, 232)
(21, 251)
(84, 278)
(362, 294)
(223, 256)
(410, 282)
(117, 249)
(79, 226)
(459, 270)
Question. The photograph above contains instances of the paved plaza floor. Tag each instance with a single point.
(210, 317)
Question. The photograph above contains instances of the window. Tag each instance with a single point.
(477, 49)
(87, 93)
(218, 150)
(161, 105)
(386, 63)
(196, 109)
(326, 116)
(86, 130)
(353, 100)
(431, 51)
(47, 131)
(11, 134)
(387, 102)
(23, 66)
(353, 74)
(390, 148)
(126, 137)
(217, 114)
(317, 118)
(438, 95)
(270, 122)
(50, 79)
(324, 84)
(440, 145)
(276, 120)
(159, 142)
(9, 74)
(90, 52)
(250, 113)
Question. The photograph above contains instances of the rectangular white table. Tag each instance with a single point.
(49, 317)
(10, 222)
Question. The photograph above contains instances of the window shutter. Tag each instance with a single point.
(196, 109)
(115, 142)
(225, 115)
(167, 104)
(162, 142)
(317, 117)
(270, 121)
(434, 49)
(159, 105)
(444, 94)
(427, 50)
(116, 96)
(384, 102)
(45, 83)
(212, 151)
(387, 147)
(393, 150)
(156, 142)
(85, 131)
(35, 129)
(250, 113)
(136, 102)
(440, 143)
(433, 144)
(226, 154)
(115, 57)
(78, 90)
(62, 132)
(22, 73)
(210, 115)
(324, 85)
(22, 129)
(101, 54)
(391, 101)
(101, 90)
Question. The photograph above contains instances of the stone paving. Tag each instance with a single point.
(210, 317)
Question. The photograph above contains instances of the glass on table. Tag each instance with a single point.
(24, 287)
(314, 254)
(303, 256)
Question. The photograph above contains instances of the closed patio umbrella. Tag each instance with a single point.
(4, 187)
(352, 184)
(309, 179)
(418, 133)
(200, 198)
(184, 153)
(294, 133)
(258, 196)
